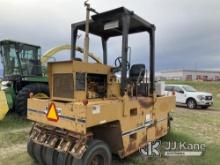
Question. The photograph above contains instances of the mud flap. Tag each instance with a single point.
(3, 105)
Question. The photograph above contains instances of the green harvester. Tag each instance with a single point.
(23, 76)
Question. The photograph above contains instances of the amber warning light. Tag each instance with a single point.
(52, 114)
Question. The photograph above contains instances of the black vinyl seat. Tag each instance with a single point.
(137, 73)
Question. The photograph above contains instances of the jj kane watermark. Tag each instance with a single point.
(157, 148)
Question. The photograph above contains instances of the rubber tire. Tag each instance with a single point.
(38, 153)
(63, 158)
(194, 103)
(51, 156)
(44, 154)
(69, 160)
(94, 147)
(23, 95)
(30, 146)
(205, 107)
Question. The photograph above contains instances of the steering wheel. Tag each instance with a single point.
(118, 63)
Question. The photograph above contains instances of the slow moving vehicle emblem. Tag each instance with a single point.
(52, 114)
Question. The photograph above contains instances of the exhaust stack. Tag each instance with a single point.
(86, 39)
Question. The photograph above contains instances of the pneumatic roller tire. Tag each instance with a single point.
(64, 158)
(69, 160)
(97, 153)
(38, 152)
(51, 156)
(44, 154)
(30, 146)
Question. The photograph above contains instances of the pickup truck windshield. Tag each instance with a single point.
(189, 88)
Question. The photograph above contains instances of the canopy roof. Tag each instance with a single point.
(109, 23)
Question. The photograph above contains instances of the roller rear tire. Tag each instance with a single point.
(97, 153)
(64, 158)
(30, 146)
(51, 156)
(38, 153)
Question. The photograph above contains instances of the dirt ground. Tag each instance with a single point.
(201, 126)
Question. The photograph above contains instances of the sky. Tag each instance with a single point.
(187, 35)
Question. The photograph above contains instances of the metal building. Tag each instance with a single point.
(189, 74)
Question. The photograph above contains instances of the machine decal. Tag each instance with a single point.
(148, 117)
(111, 25)
(82, 121)
(96, 109)
(52, 113)
(59, 111)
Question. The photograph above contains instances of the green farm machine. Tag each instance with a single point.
(23, 76)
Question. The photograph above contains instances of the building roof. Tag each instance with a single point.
(191, 70)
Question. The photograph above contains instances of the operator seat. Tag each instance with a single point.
(137, 73)
(136, 76)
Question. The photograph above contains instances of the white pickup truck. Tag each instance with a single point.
(189, 96)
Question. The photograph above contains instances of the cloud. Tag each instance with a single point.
(188, 32)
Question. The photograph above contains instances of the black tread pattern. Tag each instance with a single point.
(51, 156)
(23, 95)
(30, 146)
(62, 158)
(93, 147)
(193, 101)
(37, 150)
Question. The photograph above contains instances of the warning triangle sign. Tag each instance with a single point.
(52, 113)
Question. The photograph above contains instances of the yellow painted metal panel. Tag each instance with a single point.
(3, 105)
